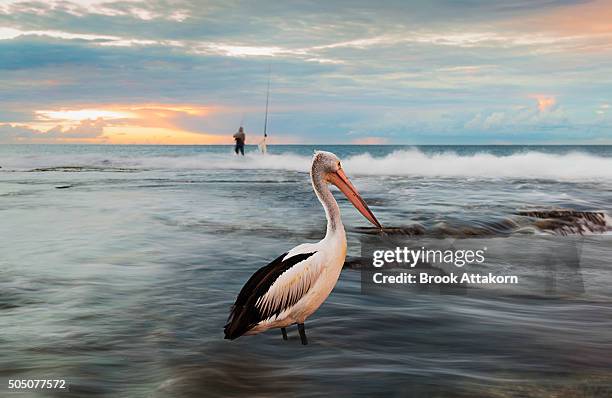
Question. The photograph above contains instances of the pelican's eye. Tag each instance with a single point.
(339, 165)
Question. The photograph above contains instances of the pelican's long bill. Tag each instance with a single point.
(340, 180)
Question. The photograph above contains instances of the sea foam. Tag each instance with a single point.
(411, 162)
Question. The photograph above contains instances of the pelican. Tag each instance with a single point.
(292, 287)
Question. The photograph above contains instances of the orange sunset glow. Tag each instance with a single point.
(153, 135)
(545, 102)
(152, 123)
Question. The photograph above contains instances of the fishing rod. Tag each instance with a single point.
(262, 145)
(267, 103)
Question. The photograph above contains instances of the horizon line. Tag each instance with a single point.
(323, 144)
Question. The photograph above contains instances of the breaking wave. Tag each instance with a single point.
(412, 162)
(524, 165)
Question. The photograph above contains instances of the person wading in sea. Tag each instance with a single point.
(240, 138)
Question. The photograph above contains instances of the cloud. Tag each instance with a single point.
(146, 123)
(545, 102)
(402, 71)
(79, 8)
(82, 114)
(603, 110)
(545, 114)
(29, 53)
(11, 134)
(85, 129)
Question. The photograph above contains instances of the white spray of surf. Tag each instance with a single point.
(570, 166)
(412, 162)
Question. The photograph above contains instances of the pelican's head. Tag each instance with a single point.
(327, 166)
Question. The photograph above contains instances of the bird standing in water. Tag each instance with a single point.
(292, 287)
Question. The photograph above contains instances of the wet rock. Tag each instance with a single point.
(567, 221)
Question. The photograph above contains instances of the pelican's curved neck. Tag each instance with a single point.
(332, 211)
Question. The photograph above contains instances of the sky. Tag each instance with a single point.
(352, 72)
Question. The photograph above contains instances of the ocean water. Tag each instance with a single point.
(119, 264)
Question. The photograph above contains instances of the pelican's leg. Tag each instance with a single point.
(284, 332)
(302, 333)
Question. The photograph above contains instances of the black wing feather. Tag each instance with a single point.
(244, 314)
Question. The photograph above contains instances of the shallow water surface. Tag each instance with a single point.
(119, 265)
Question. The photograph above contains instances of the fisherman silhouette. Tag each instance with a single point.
(240, 138)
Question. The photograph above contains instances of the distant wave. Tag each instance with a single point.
(412, 162)
(572, 166)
